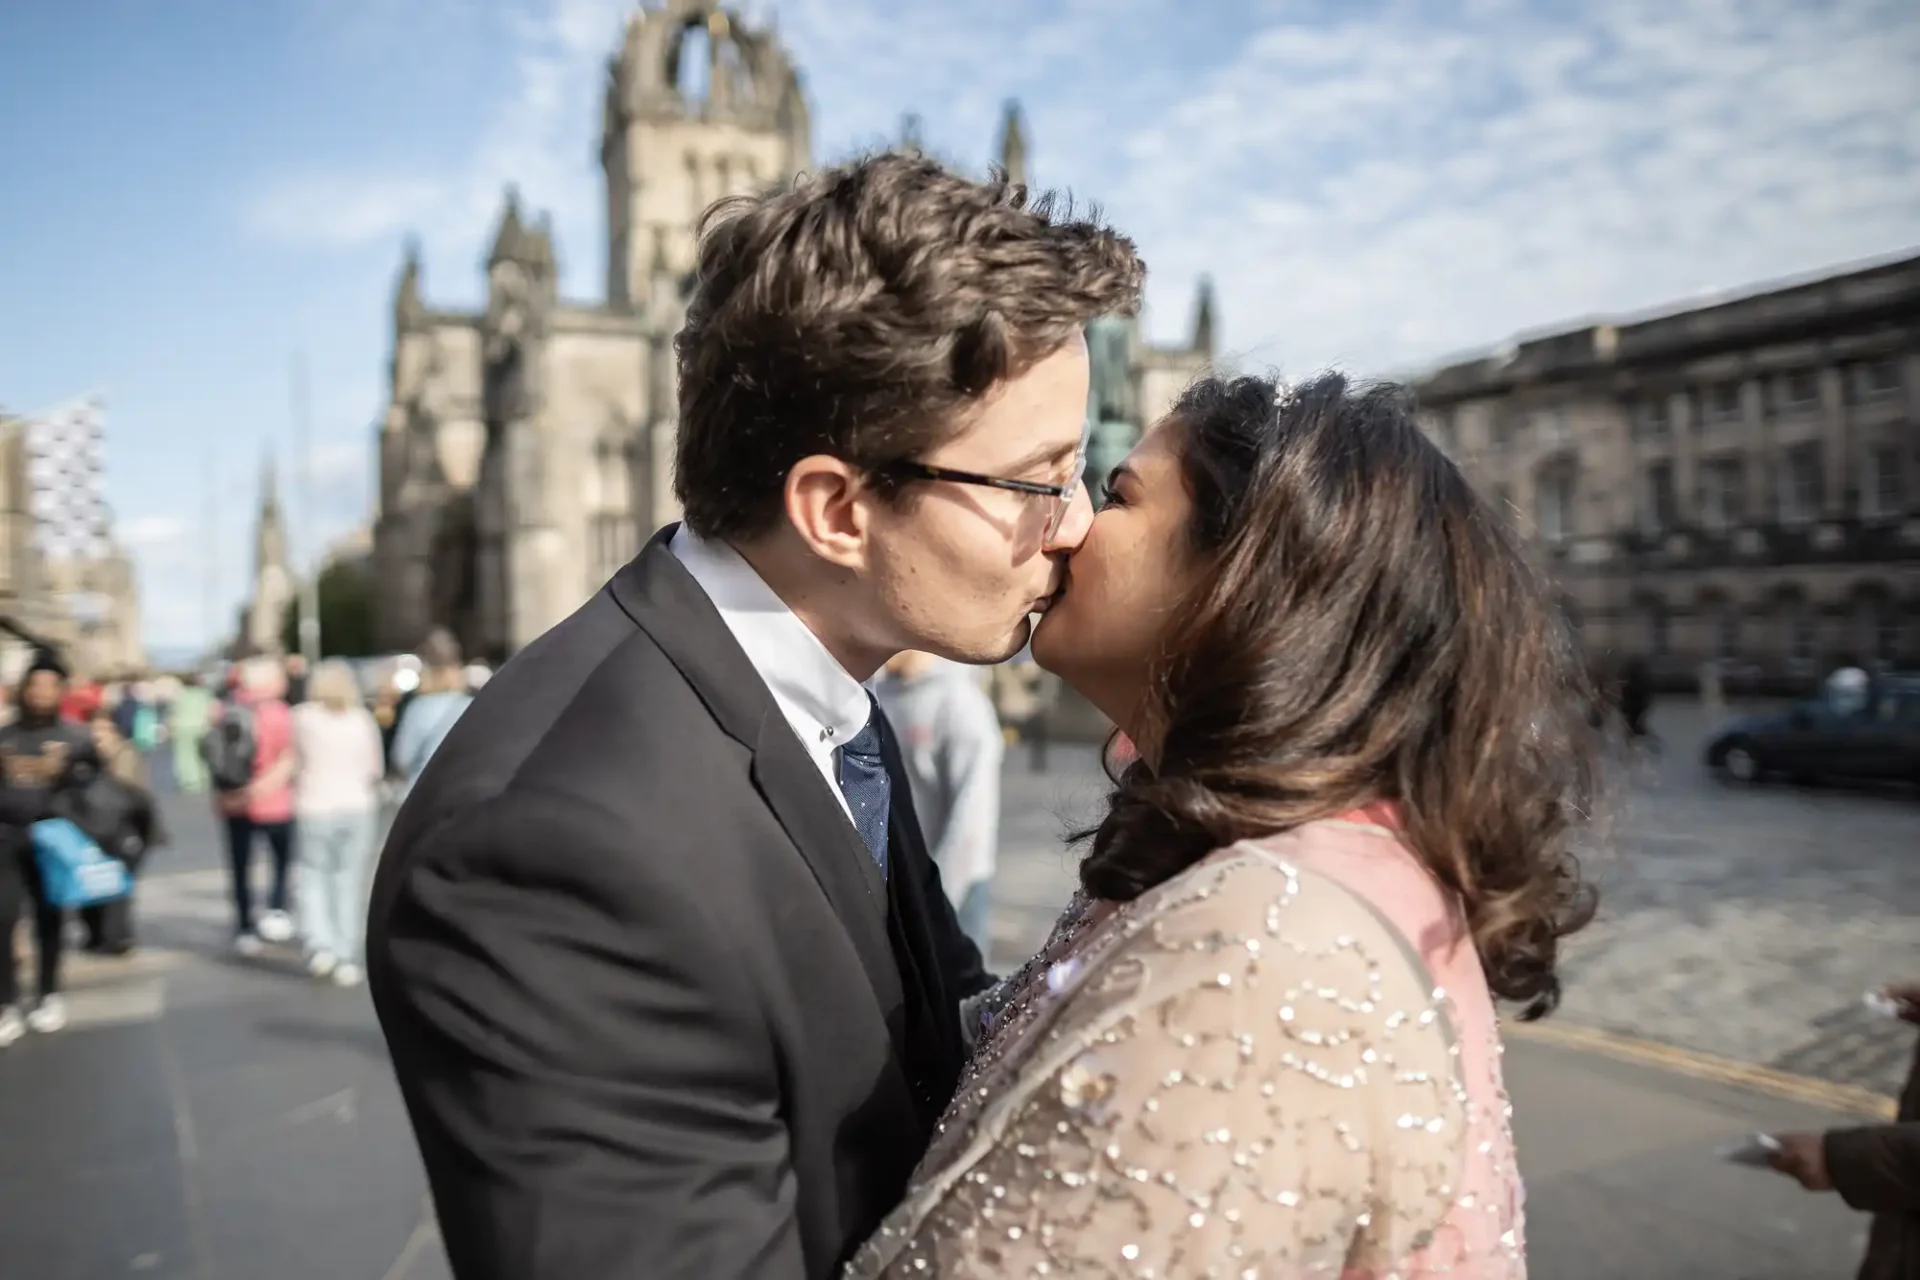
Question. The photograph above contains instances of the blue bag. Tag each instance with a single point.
(73, 870)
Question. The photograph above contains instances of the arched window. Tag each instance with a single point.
(1876, 623)
(1720, 621)
(1555, 493)
(693, 62)
(1657, 626)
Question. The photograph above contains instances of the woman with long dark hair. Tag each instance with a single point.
(1263, 1037)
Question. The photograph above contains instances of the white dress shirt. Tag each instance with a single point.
(825, 705)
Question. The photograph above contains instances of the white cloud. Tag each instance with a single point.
(1373, 184)
(1380, 184)
(1418, 186)
(147, 532)
(337, 210)
(538, 136)
(194, 572)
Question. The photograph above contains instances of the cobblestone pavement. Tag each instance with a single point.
(1738, 921)
(240, 1121)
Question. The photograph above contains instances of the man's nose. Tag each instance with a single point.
(1074, 524)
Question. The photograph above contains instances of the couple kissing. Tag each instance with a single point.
(670, 982)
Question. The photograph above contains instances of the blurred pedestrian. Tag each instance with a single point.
(252, 761)
(1875, 1168)
(147, 735)
(188, 718)
(1636, 703)
(336, 800)
(296, 669)
(1713, 696)
(81, 699)
(115, 808)
(427, 718)
(1848, 691)
(39, 754)
(120, 706)
(952, 745)
(1025, 695)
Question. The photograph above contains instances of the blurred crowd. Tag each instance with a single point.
(307, 764)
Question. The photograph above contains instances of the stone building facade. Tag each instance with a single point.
(97, 628)
(1738, 481)
(85, 607)
(526, 451)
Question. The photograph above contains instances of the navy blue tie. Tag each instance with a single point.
(864, 782)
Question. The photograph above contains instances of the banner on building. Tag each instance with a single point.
(66, 450)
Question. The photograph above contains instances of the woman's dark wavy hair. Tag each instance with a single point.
(1365, 628)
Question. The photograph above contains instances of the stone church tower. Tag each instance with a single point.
(526, 450)
(273, 584)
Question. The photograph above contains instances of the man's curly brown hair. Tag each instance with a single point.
(861, 312)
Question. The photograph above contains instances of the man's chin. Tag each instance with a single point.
(981, 652)
(1018, 638)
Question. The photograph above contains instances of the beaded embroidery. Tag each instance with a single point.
(1244, 1070)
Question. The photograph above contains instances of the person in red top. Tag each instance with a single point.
(264, 806)
(81, 701)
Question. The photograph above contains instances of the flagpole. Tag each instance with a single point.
(210, 565)
(309, 580)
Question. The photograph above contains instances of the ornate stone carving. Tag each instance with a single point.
(1112, 398)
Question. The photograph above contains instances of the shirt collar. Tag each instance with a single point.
(808, 682)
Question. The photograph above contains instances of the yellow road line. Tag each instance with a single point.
(1703, 1066)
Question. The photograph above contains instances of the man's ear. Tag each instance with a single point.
(826, 500)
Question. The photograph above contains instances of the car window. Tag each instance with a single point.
(1910, 709)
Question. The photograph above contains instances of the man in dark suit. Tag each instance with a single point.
(670, 982)
(1875, 1167)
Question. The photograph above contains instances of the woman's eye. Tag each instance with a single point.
(1110, 498)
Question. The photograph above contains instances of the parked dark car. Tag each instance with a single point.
(1878, 740)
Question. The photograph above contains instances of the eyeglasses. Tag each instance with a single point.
(1062, 494)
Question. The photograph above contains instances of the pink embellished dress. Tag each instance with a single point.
(1283, 1062)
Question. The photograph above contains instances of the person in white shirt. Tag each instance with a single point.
(336, 797)
(952, 744)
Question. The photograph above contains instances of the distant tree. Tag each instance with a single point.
(346, 613)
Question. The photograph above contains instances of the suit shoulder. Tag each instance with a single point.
(529, 841)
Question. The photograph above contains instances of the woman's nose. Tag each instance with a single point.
(1074, 524)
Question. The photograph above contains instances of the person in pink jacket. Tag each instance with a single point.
(264, 806)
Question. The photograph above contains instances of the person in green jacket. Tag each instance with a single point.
(187, 721)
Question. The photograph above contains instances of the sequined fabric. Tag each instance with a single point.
(1248, 1072)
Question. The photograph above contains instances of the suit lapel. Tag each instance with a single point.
(935, 1053)
(662, 598)
(798, 796)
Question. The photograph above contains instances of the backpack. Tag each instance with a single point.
(73, 870)
(117, 816)
(229, 748)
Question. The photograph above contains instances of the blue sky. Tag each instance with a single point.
(197, 190)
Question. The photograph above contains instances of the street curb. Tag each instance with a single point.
(1704, 1066)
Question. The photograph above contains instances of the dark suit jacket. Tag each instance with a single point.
(1876, 1168)
(653, 1010)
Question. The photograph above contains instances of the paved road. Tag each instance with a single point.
(1743, 922)
(213, 1120)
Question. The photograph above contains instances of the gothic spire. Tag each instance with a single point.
(1203, 317)
(1013, 144)
(910, 134)
(407, 305)
(269, 483)
(509, 241)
